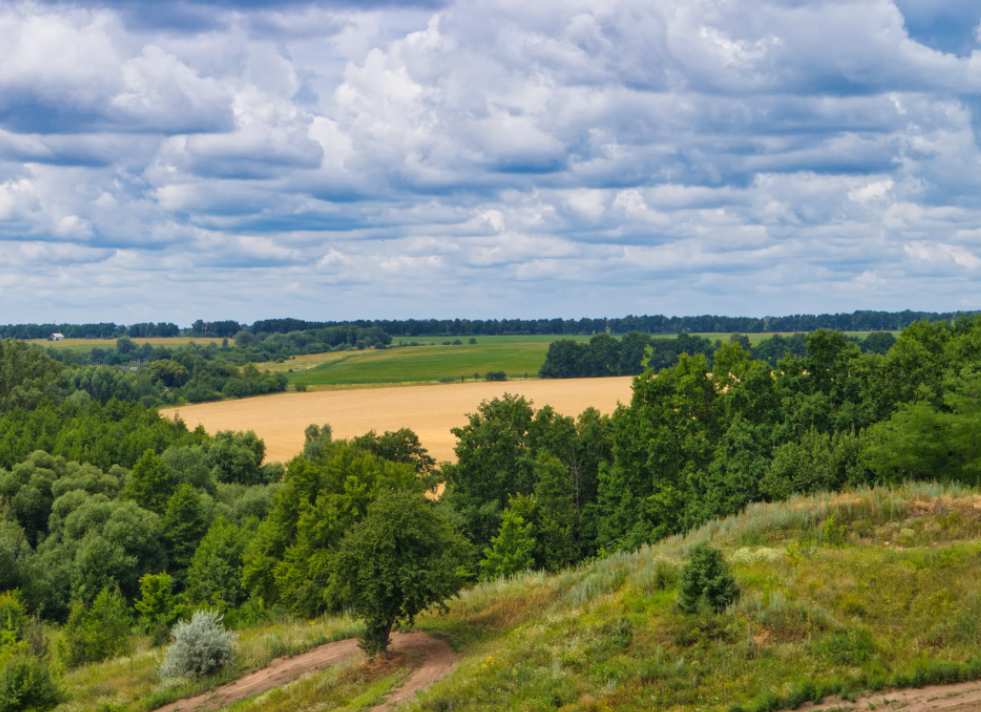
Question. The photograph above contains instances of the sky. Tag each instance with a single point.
(247, 159)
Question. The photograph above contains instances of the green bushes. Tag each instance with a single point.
(26, 685)
(13, 619)
(706, 579)
(97, 632)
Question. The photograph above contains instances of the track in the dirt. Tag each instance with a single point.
(959, 697)
(440, 662)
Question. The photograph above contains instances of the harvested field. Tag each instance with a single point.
(429, 410)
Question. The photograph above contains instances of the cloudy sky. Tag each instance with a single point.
(487, 158)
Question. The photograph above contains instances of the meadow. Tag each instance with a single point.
(840, 594)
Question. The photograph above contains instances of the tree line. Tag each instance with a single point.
(656, 324)
(604, 355)
(862, 320)
(29, 332)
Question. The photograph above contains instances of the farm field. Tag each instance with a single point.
(417, 364)
(518, 356)
(429, 410)
(89, 344)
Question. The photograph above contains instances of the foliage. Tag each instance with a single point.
(706, 578)
(184, 525)
(403, 558)
(97, 632)
(150, 485)
(288, 560)
(215, 573)
(13, 619)
(511, 551)
(201, 646)
(27, 375)
(26, 684)
(157, 606)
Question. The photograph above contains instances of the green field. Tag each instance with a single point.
(517, 356)
(418, 364)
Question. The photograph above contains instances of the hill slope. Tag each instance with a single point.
(840, 594)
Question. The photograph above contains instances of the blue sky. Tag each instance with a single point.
(487, 158)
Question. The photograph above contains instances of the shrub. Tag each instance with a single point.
(13, 619)
(706, 578)
(300, 387)
(157, 607)
(496, 376)
(201, 647)
(26, 685)
(473, 341)
(100, 632)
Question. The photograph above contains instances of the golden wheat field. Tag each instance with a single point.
(429, 410)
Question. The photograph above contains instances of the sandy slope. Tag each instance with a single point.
(429, 410)
(440, 662)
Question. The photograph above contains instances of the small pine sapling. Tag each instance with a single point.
(706, 579)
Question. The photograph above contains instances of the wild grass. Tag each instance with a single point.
(132, 683)
(862, 590)
(840, 593)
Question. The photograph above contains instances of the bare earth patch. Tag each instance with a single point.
(962, 697)
(441, 660)
(429, 410)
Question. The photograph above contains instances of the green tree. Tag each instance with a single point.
(184, 525)
(706, 579)
(557, 526)
(512, 550)
(237, 457)
(216, 569)
(288, 560)
(151, 485)
(157, 606)
(402, 559)
(27, 375)
(98, 632)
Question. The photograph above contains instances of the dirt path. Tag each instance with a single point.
(961, 697)
(440, 662)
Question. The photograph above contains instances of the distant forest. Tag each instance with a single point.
(657, 324)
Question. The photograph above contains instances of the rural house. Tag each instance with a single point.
(56, 337)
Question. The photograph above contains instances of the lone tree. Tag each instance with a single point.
(706, 577)
(401, 559)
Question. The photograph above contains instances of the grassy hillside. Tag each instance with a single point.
(840, 594)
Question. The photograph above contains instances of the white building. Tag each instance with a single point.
(56, 337)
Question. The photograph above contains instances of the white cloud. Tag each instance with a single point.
(487, 157)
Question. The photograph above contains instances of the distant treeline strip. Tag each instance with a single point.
(89, 331)
(657, 324)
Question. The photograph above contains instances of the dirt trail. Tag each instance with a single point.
(960, 697)
(440, 662)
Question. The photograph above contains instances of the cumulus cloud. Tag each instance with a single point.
(487, 158)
